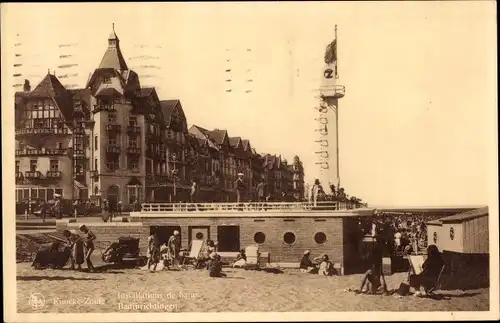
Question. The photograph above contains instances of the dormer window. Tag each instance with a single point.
(112, 42)
(107, 80)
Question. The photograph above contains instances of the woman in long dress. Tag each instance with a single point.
(174, 247)
(153, 252)
(75, 242)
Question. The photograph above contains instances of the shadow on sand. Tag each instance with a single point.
(38, 278)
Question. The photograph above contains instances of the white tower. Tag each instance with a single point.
(327, 142)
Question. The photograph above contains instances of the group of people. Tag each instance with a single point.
(81, 246)
(374, 280)
(171, 254)
(321, 265)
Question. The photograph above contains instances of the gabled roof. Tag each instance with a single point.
(167, 109)
(462, 217)
(245, 143)
(203, 134)
(234, 141)
(50, 87)
(146, 91)
(218, 136)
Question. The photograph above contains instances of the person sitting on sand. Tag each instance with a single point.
(215, 267)
(430, 271)
(373, 276)
(325, 267)
(306, 265)
(241, 259)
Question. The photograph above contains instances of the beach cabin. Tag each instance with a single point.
(464, 241)
(283, 231)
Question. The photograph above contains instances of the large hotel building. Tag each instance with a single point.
(117, 140)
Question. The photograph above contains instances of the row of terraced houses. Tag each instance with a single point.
(117, 140)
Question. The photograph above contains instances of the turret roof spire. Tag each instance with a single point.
(113, 57)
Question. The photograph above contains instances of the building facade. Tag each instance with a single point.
(117, 140)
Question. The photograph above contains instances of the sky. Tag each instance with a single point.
(417, 125)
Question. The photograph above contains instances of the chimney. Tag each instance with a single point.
(27, 86)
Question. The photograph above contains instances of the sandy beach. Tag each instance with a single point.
(135, 290)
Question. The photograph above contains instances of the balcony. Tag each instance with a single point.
(113, 149)
(103, 107)
(113, 128)
(79, 131)
(335, 91)
(134, 151)
(43, 151)
(54, 174)
(42, 131)
(79, 154)
(33, 174)
(94, 173)
(133, 130)
(19, 175)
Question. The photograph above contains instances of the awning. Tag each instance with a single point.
(79, 185)
(134, 181)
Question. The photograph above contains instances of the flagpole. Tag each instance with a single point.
(337, 112)
(336, 54)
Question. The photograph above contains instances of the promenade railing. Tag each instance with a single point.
(247, 206)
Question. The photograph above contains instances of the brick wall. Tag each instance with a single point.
(274, 229)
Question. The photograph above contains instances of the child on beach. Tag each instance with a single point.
(215, 268)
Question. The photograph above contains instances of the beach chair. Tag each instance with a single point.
(194, 256)
(430, 291)
(253, 257)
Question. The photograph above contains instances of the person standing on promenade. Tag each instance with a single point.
(193, 194)
(89, 246)
(260, 193)
(240, 189)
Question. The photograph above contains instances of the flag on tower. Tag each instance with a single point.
(331, 53)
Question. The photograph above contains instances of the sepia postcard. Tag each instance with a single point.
(249, 161)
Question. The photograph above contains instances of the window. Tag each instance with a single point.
(33, 165)
(17, 166)
(112, 165)
(50, 194)
(19, 195)
(228, 238)
(112, 139)
(320, 237)
(95, 143)
(42, 194)
(133, 163)
(132, 121)
(112, 118)
(259, 237)
(95, 165)
(132, 142)
(26, 193)
(59, 145)
(54, 165)
(34, 193)
(107, 80)
(87, 141)
(289, 238)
